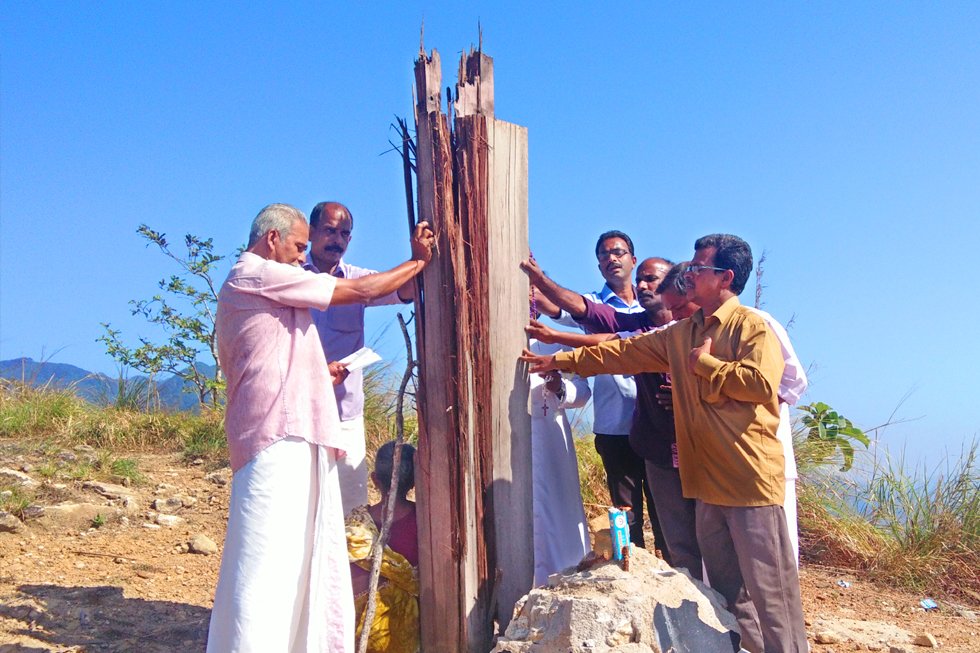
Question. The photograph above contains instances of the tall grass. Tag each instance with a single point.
(48, 417)
(907, 525)
(139, 394)
(591, 477)
(380, 404)
(40, 411)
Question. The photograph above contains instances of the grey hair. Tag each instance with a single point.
(278, 217)
(674, 280)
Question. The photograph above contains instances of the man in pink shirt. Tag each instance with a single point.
(284, 583)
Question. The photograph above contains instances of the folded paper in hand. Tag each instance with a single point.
(361, 358)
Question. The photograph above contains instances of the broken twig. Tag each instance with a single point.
(377, 550)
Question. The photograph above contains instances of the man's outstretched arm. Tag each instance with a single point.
(645, 353)
(565, 299)
(364, 289)
(548, 335)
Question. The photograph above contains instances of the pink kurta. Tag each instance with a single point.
(270, 353)
(284, 583)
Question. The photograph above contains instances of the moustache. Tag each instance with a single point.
(333, 248)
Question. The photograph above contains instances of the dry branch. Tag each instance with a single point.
(388, 512)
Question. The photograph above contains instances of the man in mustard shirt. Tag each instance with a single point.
(725, 366)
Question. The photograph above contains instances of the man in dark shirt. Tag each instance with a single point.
(653, 435)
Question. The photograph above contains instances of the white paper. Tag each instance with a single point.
(361, 358)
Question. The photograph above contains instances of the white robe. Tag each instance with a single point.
(284, 583)
(560, 533)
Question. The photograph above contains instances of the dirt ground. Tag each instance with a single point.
(131, 584)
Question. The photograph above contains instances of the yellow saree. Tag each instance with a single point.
(396, 618)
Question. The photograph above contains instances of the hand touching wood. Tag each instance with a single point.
(422, 241)
(533, 271)
(538, 364)
(540, 332)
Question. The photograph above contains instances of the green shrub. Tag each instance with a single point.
(206, 439)
(826, 435)
(126, 468)
(15, 499)
(47, 470)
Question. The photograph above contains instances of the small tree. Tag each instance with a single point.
(188, 323)
(828, 432)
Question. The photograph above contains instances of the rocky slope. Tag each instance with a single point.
(96, 566)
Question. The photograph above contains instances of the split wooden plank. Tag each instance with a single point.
(474, 92)
(502, 239)
(507, 241)
(473, 479)
(472, 315)
(438, 476)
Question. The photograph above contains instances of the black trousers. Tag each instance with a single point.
(627, 483)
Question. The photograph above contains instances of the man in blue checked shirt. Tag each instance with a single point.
(614, 395)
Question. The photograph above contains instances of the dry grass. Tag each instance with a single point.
(908, 527)
(57, 418)
(912, 528)
(592, 478)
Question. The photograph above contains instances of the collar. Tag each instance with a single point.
(607, 296)
(341, 271)
(722, 314)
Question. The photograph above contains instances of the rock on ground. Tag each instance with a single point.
(73, 516)
(9, 475)
(864, 633)
(109, 490)
(649, 609)
(202, 544)
(927, 640)
(10, 523)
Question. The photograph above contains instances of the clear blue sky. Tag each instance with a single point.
(844, 141)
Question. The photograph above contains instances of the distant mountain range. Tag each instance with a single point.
(99, 388)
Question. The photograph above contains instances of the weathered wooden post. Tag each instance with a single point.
(473, 474)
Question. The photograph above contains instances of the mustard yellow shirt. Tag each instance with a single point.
(725, 412)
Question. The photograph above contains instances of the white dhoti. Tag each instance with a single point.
(352, 468)
(284, 583)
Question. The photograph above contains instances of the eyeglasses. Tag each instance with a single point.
(609, 253)
(695, 269)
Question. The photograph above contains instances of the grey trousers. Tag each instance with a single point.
(677, 517)
(749, 560)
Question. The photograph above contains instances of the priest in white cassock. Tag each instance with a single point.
(284, 583)
(561, 536)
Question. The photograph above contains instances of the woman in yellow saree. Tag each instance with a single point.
(395, 628)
